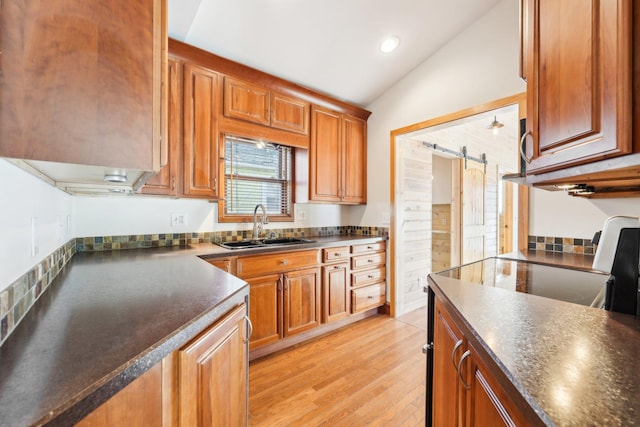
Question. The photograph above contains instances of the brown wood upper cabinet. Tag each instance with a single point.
(82, 82)
(578, 59)
(258, 104)
(200, 131)
(337, 158)
(168, 182)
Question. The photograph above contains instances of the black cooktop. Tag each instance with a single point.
(565, 284)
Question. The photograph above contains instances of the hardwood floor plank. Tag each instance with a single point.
(368, 373)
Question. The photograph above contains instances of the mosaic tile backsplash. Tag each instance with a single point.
(566, 245)
(108, 243)
(19, 297)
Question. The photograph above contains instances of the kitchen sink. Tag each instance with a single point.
(285, 241)
(258, 243)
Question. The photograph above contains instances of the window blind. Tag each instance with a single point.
(257, 172)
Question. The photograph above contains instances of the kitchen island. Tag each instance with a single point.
(532, 360)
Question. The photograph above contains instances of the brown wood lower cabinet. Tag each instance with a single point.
(212, 375)
(335, 288)
(464, 391)
(204, 383)
(265, 296)
(301, 300)
(284, 292)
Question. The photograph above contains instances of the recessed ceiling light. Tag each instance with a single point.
(389, 44)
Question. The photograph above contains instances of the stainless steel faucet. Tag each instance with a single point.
(257, 228)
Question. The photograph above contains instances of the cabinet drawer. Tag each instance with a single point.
(276, 263)
(367, 297)
(226, 264)
(368, 261)
(369, 247)
(368, 276)
(339, 253)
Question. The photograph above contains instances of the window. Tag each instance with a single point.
(256, 172)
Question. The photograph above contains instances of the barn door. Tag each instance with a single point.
(472, 226)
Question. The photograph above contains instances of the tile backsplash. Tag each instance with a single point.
(567, 245)
(20, 296)
(108, 243)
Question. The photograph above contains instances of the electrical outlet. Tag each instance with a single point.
(178, 219)
(386, 218)
(301, 214)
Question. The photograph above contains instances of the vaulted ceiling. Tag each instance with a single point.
(330, 46)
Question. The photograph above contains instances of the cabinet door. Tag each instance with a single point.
(325, 156)
(488, 404)
(82, 81)
(213, 375)
(246, 101)
(335, 292)
(165, 182)
(289, 113)
(579, 81)
(354, 170)
(447, 350)
(200, 140)
(265, 309)
(301, 300)
(138, 404)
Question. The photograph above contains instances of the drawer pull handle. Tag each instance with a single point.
(369, 247)
(369, 260)
(371, 276)
(370, 296)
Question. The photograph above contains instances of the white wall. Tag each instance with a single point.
(556, 214)
(22, 197)
(478, 66)
(441, 180)
(115, 216)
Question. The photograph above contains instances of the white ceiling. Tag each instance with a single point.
(330, 46)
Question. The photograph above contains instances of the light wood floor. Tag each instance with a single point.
(370, 373)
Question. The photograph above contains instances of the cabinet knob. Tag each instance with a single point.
(336, 267)
(337, 254)
(369, 247)
(371, 276)
(284, 262)
(370, 296)
(369, 260)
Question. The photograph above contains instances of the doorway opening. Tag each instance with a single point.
(450, 205)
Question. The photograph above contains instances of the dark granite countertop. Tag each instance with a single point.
(110, 316)
(574, 365)
(107, 318)
(577, 261)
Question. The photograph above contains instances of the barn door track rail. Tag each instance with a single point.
(462, 154)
